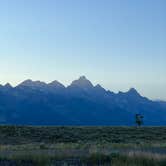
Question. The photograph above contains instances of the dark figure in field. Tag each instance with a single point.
(139, 119)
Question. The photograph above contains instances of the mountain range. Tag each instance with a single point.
(81, 103)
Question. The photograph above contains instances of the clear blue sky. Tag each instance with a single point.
(117, 43)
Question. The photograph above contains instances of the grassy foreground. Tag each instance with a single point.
(22, 134)
(82, 146)
(92, 160)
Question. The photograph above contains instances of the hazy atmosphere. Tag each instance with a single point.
(119, 44)
(82, 82)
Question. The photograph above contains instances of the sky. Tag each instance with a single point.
(117, 43)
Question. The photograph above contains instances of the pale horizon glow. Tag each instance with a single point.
(117, 43)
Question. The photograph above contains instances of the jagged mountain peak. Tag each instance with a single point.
(99, 87)
(82, 78)
(82, 82)
(133, 91)
(56, 83)
(8, 85)
(27, 81)
(30, 83)
(37, 103)
(130, 92)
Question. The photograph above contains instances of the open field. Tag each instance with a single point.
(21, 135)
(90, 146)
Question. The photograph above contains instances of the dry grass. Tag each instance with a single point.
(118, 146)
(147, 155)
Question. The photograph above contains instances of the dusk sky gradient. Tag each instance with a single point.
(117, 43)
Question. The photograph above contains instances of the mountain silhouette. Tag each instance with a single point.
(82, 82)
(80, 103)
